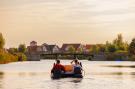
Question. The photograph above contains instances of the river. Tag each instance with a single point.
(98, 75)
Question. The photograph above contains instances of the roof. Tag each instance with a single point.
(33, 48)
(64, 46)
(33, 42)
(88, 46)
(49, 47)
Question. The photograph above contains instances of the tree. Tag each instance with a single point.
(2, 41)
(102, 48)
(22, 48)
(132, 47)
(120, 44)
(71, 49)
(94, 49)
(111, 48)
(12, 50)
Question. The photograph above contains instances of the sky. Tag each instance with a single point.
(66, 21)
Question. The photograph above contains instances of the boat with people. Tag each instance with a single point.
(67, 71)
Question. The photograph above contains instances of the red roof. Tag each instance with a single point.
(88, 46)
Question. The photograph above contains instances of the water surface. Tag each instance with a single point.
(97, 75)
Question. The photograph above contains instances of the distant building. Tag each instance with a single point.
(44, 48)
(34, 48)
(88, 47)
(77, 47)
(50, 48)
(33, 43)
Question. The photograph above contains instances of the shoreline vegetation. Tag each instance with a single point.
(12, 54)
(116, 50)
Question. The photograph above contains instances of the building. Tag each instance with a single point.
(44, 48)
(75, 47)
(50, 48)
(34, 48)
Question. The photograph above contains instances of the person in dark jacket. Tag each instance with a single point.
(58, 67)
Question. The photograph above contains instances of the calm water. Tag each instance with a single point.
(98, 75)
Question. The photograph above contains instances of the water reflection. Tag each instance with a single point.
(76, 80)
(120, 66)
(1, 79)
(99, 75)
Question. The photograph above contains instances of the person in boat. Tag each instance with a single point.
(77, 67)
(58, 68)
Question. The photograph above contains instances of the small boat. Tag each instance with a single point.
(70, 73)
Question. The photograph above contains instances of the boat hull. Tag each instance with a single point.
(55, 76)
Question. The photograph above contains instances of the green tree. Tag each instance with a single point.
(2, 41)
(22, 48)
(111, 48)
(71, 49)
(94, 49)
(12, 50)
(102, 48)
(120, 44)
(132, 47)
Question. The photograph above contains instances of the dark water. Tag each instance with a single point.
(98, 75)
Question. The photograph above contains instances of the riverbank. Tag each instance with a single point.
(6, 57)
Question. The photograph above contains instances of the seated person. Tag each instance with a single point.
(77, 67)
(58, 67)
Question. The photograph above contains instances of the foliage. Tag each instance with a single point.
(132, 58)
(2, 41)
(22, 48)
(94, 49)
(71, 49)
(111, 48)
(12, 50)
(117, 45)
(102, 48)
(117, 56)
(132, 47)
(12, 55)
(7, 57)
(21, 57)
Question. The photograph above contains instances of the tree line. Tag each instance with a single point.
(117, 49)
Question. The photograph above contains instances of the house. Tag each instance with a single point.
(33, 43)
(44, 48)
(50, 48)
(72, 47)
(34, 48)
(88, 47)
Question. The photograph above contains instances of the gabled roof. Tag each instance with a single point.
(49, 47)
(33, 42)
(64, 46)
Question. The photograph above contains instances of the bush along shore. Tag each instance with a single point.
(6, 57)
(12, 54)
